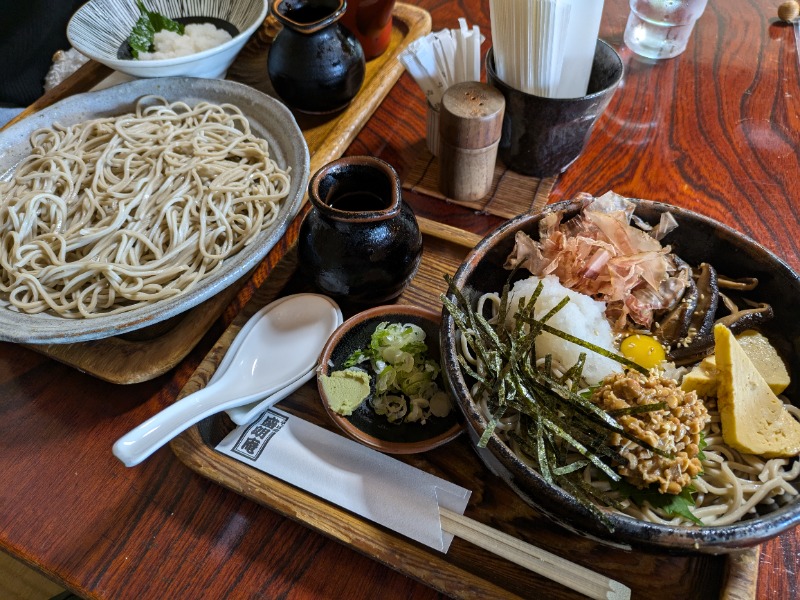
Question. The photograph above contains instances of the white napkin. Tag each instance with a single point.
(582, 32)
(348, 474)
(545, 47)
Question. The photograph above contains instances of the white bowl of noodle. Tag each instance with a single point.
(191, 195)
(696, 239)
(100, 30)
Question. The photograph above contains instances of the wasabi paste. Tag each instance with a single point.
(345, 390)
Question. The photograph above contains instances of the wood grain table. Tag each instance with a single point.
(716, 130)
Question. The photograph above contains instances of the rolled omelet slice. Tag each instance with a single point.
(703, 378)
(754, 419)
(765, 358)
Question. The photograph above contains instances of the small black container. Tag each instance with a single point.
(315, 64)
(360, 241)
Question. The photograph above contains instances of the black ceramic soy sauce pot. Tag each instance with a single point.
(315, 64)
(360, 241)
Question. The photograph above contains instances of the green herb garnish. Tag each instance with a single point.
(702, 445)
(149, 23)
(638, 410)
(673, 505)
(405, 378)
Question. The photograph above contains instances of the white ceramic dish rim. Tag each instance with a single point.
(269, 119)
(118, 64)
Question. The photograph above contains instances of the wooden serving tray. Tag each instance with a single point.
(466, 571)
(155, 350)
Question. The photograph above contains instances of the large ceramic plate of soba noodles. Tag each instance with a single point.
(630, 368)
(125, 207)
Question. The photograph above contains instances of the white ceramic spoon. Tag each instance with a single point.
(279, 345)
(242, 415)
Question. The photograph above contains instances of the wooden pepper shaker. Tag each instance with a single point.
(470, 124)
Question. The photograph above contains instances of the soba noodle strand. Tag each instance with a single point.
(114, 213)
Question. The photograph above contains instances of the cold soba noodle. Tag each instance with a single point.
(114, 213)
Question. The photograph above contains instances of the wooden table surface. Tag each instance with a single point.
(715, 130)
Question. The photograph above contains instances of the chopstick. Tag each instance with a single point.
(535, 559)
(448, 233)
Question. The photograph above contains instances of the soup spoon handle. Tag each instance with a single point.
(141, 441)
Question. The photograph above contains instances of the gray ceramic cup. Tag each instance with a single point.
(543, 136)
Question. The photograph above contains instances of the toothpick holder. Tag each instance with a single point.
(470, 124)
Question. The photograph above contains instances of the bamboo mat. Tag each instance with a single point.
(511, 194)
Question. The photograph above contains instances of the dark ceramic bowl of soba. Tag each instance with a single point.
(696, 239)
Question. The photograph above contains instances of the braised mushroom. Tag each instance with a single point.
(743, 284)
(747, 318)
(738, 321)
(674, 327)
(705, 312)
(689, 329)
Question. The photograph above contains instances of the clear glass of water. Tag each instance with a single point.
(661, 28)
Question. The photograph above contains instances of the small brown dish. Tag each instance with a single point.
(365, 425)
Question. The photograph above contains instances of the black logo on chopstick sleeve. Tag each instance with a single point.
(254, 438)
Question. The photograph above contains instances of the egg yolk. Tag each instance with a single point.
(644, 350)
